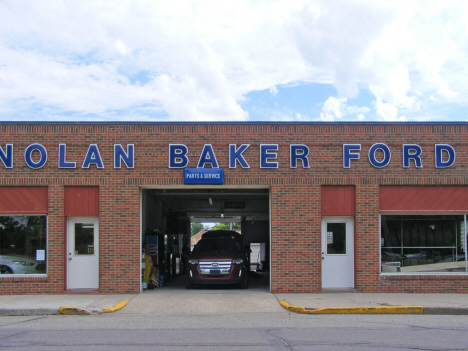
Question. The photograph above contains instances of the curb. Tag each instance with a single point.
(28, 312)
(355, 310)
(446, 311)
(71, 310)
(117, 307)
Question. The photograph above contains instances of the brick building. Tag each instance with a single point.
(374, 207)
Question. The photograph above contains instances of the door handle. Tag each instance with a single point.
(69, 258)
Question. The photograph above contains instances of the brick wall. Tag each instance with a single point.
(295, 239)
(295, 193)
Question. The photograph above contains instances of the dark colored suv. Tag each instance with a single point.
(218, 258)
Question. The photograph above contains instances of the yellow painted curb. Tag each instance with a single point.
(72, 310)
(90, 310)
(355, 310)
(117, 307)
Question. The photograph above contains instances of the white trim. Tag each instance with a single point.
(141, 237)
(269, 254)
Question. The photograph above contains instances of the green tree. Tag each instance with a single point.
(227, 226)
(196, 228)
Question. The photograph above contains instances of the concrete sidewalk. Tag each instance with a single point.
(233, 301)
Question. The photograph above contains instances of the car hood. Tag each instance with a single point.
(215, 255)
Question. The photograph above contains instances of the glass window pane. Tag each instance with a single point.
(84, 238)
(422, 244)
(23, 244)
(336, 238)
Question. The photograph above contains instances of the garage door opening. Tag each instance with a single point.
(174, 220)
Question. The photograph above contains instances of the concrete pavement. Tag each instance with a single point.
(174, 301)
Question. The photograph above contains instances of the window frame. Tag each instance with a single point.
(465, 221)
(40, 275)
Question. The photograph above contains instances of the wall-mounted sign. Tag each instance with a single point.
(379, 156)
(203, 176)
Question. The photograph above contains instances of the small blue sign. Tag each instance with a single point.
(203, 176)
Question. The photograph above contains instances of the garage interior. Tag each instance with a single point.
(167, 215)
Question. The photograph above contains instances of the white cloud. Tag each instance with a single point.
(274, 90)
(403, 52)
(193, 60)
(336, 108)
(120, 47)
(333, 109)
(201, 58)
(388, 112)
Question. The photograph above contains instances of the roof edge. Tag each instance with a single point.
(229, 122)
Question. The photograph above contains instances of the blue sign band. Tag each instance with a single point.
(203, 176)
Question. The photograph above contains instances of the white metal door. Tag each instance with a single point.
(83, 253)
(337, 253)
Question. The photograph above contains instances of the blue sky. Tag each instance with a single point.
(291, 60)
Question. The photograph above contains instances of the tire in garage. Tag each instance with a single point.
(189, 284)
(245, 282)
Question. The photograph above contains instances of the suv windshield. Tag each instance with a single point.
(217, 245)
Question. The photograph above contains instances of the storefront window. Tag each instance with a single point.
(423, 244)
(23, 244)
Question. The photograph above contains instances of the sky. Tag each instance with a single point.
(234, 61)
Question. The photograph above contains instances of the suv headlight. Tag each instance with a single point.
(238, 261)
(192, 261)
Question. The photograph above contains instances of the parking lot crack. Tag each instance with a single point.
(284, 342)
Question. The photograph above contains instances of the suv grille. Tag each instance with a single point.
(215, 267)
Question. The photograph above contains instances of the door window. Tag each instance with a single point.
(84, 239)
(336, 239)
